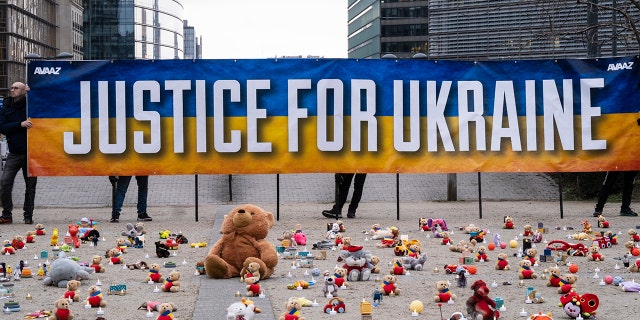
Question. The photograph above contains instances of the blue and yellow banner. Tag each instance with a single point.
(142, 117)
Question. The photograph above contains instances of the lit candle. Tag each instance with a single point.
(414, 313)
(100, 311)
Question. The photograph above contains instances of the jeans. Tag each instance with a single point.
(121, 190)
(14, 163)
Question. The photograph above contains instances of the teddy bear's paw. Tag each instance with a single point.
(215, 267)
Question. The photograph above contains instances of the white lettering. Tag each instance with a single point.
(588, 112)
(360, 116)
(219, 87)
(324, 144)
(505, 97)
(294, 112)
(414, 116)
(436, 121)
(253, 114)
(475, 115)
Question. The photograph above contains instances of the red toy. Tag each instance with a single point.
(577, 249)
(335, 304)
(575, 305)
(73, 232)
(171, 244)
(479, 305)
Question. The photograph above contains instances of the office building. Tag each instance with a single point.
(133, 29)
(27, 27)
(192, 44)
(397, 27)
(69, 35)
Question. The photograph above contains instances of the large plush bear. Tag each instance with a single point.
(244, 231)
(479, 305)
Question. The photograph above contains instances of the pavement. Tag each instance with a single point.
(219, 193)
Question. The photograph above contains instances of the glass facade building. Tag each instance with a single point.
(25, 27)
(192, 44)
(133, 29)
(376, 28)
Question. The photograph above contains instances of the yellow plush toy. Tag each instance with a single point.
(54, 237)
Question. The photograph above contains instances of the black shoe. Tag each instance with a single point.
(351, 214)
(28, 220)
(5, 220)
(628, 212)
(332, 214)
(144, 217)
(114, 220)
(597, 212)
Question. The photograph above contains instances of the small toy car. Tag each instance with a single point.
(335, 304)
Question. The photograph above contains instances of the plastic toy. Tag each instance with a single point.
(335, 304)
(73, 233)
(572, 249)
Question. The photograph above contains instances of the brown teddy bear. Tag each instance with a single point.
(165, 310)
(31, 237)
(61, 311)
(293, 308)
(251, 277)
(594, 254)
(40, 231)
(633, 235)
(115, 256)
(244, 230)
(95, 299)
(172, 283)
(18, 242)
(396, 267)
(72, 287)
(554, 277)
(481, 254)
(340, 276)
(532, 255)
(7, 248)
(96, 264)
(502, 263)
(602, 222)
(375, 260)
(508, 223)
(121, 244)
(446, 238)
(634, 266)
(154, 273)
(528, 230)
(567, 283)
(526, 272)
(389, 285)
(442, 292)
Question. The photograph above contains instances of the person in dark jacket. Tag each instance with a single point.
(14, 125)
(343, 182)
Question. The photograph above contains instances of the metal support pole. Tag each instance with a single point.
(452, 187)
(480, 194)
(113, 193)
(196, 193)
(397, 196)
(277, 197)
(230, 188)
(560, 191)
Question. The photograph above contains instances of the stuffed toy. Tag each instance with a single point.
(526, 272)
(586, 227)
(417, 264)
(357, 262)
(153, 305)
(73, 233)
(245, 309)
(17, 242)
(413, 250)
(63, 269)
(541, 316)
(445, 238)
(31, 237)
(613, 237)
(330, 287)
(502, 263)
(508, 223)
(154, 273)
(40, 231)
(476, 234)
(166, 311)
(331, 234)
(554, 277)
(340, 276)
(463, 246)
(442, 292)
(633, 235)
(164, 234)
(72, 287)
(244, 230)
(373, 264)
(389, 285)
(479, 305)
(602, 222)
(95, 299)
(115, 256)
(634, 266)
(54, 237)
(251, 277)
(528, 230)
(161, 250)
(96, 264)
(594, 254)
(532, 255)
(135, 234)
(536, 237)
(299, 236)
(292, 307)
(139, 265)
(567, 283)
(121, 244)
(286, 240)
(575, 305)
(61, 310)
(172, 283)
(481, 254)
(7, 248)
(439, 224)
(423, 225)
(378, 233)
(338, 239)
(396, 267)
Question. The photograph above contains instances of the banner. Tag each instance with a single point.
(162, 117)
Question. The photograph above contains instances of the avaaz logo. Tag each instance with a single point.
(47, 70)
(620, 66)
